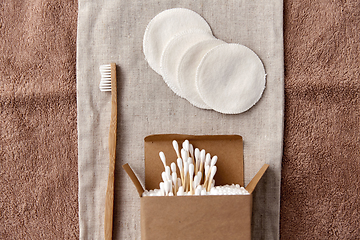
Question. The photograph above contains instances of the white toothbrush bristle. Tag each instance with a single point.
(105, 81)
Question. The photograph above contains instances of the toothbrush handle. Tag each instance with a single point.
(109, 198)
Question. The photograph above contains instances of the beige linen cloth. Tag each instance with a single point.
(112, 31)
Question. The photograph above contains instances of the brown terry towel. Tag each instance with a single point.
(38, 142)
(321, 162)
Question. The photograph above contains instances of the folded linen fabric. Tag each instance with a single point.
(113, 32)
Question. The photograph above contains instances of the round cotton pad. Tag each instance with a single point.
(163, 27)
(187, 71)
(173, 53)
(230, 78)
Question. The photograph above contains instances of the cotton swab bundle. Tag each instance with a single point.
(193, 166)
(191, 163)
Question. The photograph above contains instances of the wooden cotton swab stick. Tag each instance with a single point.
(186, 169)
(191, 151)
(207, 175)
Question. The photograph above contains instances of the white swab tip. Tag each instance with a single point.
(179, 163)
(162, 157)
(173, 167)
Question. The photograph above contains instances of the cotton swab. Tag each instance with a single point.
(162, 188)
(174, 181)
(213, 171)
(191, 163)
(197, 159)
(199, 174)
(202, 160)
(213, 161)
(191, 151)
(191, 174)
(167, 187)
(176, 148)
(163, 176)
(181, 169)
(178, 183)
(196, 181)
(180, 191)
(197, 192)
(188, 177)
(173, 167)
(163, 159)
(186, 145)
(186, 169)
(168, 173)
(207, 175)
(184, 155)
(207, 159)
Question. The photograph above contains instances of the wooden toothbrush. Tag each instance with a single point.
(108, 83)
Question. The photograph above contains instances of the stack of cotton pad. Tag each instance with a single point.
(178, 44)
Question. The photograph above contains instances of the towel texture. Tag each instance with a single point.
(38, 112)
(321, 163)
(38, 139)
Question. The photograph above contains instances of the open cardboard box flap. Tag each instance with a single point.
(228, 148)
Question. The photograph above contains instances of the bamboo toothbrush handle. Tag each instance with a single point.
(109, 198)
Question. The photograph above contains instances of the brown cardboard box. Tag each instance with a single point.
(196, 217)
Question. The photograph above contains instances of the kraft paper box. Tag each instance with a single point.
(196, 217)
